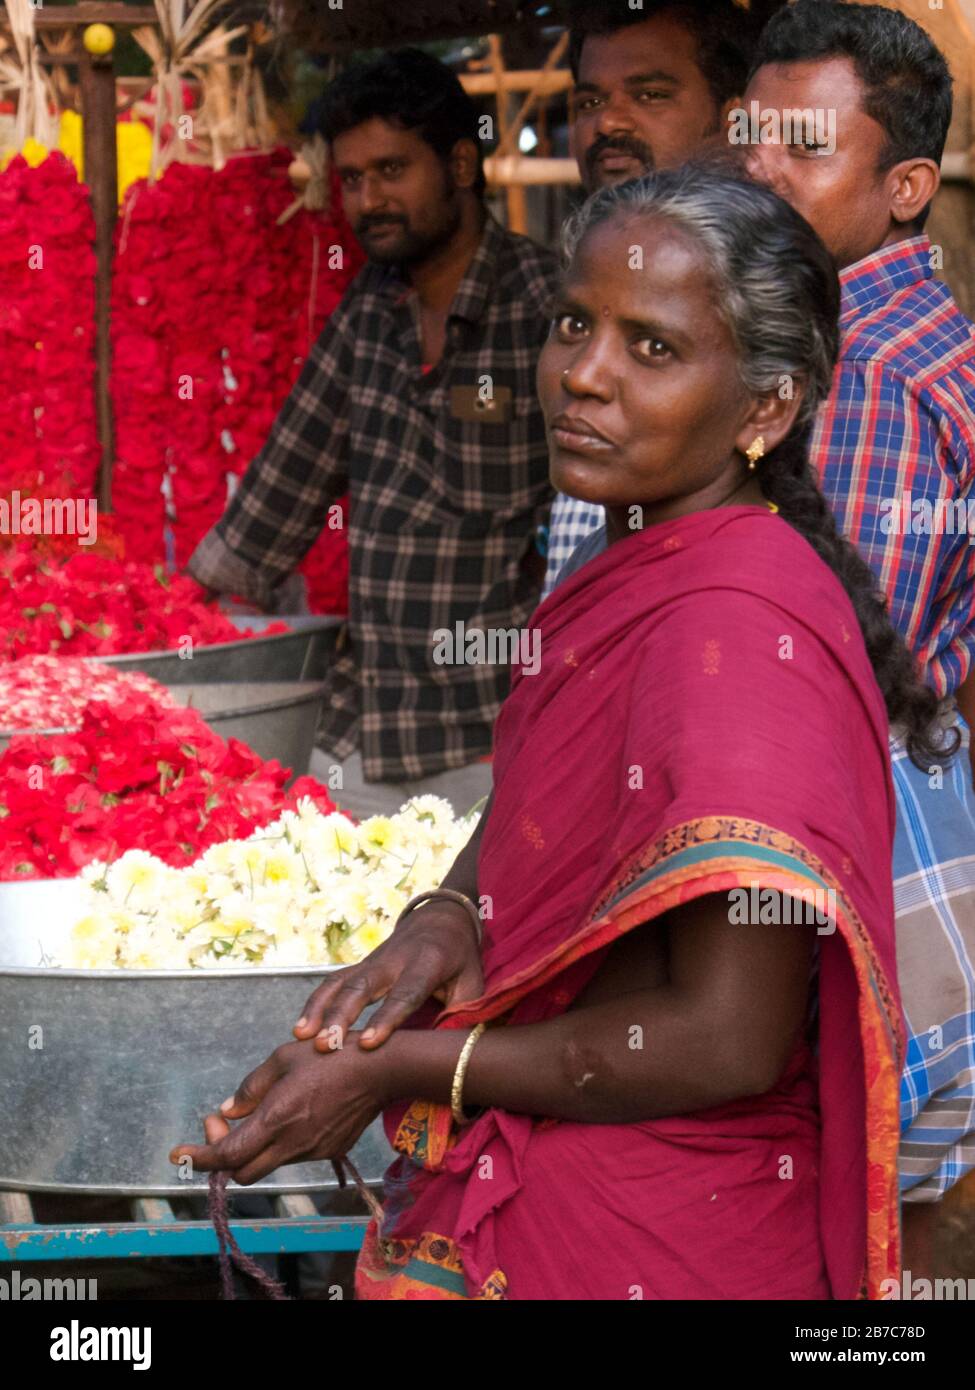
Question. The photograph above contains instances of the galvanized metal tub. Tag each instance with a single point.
(277, 719)
(102, 1072)
(299, 655)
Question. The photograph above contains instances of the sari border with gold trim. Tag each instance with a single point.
(708, 855)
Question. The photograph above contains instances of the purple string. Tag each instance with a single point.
(230, 1252)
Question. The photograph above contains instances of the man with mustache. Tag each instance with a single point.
(654, 87)
(418, 399)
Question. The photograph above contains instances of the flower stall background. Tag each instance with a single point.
(215, 305)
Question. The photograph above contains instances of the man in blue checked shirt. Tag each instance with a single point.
(899, 423)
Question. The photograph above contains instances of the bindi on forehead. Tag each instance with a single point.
(605, 311)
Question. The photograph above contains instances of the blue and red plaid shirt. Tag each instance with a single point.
(896, 438)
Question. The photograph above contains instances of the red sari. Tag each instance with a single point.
(705, 718)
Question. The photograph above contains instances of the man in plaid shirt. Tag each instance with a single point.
(419, 400)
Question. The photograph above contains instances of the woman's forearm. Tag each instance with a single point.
(636, 1058)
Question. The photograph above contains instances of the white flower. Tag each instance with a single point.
(432, 808)
(221, 858)
(92, 945)
(360, 943)
(93, 876)
(348, 903)
(283, 869)
(331, 843)
(379, 834)
(150, 953)
(220, 887)
(183, 909)
(308, 889)
(196, 878)
(137, 880)
(384, 898)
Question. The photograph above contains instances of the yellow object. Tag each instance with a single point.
(32, 151)
(70, 141)
(754, 452)
(98, 39)
(133, 144)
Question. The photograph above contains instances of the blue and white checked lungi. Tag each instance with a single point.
(934, 899)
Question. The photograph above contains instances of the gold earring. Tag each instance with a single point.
(754, 452)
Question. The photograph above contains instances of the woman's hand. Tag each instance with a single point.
(434, 950)
(297, 1105)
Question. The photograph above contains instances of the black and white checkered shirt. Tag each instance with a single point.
(444, 508)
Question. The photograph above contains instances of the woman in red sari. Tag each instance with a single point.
(685, 1082)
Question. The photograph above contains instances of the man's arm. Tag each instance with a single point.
(282, 502)
(462, 877)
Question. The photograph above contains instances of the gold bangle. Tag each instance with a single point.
(460, 1071)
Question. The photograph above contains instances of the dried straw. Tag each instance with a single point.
(21, 72)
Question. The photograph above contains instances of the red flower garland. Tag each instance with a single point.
(47, 328)
(142, 776)
(215, 308)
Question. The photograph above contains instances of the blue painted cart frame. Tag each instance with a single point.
(156, 1231)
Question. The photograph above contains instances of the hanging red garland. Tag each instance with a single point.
(215, 308)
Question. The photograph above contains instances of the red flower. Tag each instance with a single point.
(244, 301)
(95, 605)
(137, 775)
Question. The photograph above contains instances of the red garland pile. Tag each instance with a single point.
(142, 776)
(95, 605)
(51, 692)
(215, 308)
(39, 494)
(47, 325)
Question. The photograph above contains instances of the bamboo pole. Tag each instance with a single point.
(509, 140)
(519, 172)
(70, 16)
(97, 83)
(515, 169)
(479, 84)
(517, 209)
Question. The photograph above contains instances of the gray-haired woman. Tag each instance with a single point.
(681, 1027)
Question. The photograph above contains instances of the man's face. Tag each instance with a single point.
(843, 195)
(641, 102)
(396, 192)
